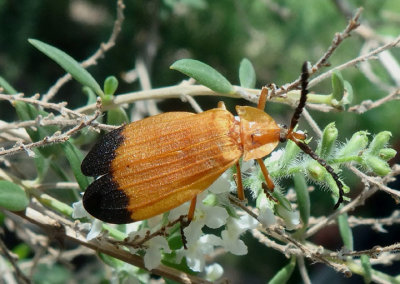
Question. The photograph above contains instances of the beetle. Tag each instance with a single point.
(150, 166)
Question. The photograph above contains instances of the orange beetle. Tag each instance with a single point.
(153, 165)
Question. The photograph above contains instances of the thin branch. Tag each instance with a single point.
(69, 232)
(20, 275)
(303, 270)
(337, 40)
(56, 138)
(355, 61)
(368, 104)
(92, 60)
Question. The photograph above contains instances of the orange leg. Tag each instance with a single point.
(265, 173)
(239, 182)
(263, 98)
(191, 209)
(221, 105)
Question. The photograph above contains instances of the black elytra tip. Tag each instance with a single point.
(98, 160)
(103, 200)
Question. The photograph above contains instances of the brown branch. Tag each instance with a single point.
(22, 278)
(56, 138)
(71, 233)
(368, 104)
(92, 60)
(337, 40)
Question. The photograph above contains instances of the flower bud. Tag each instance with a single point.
(387, 153)
(290, 153)
(316, 171)
(377, 165)
(328, 140)
(379, 141)
(358, 142)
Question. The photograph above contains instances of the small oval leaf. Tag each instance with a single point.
(337, 85)
(204, 74)
(345, 231)
(110, 85)
(12, 197)
(303, 197)
(247, 75)
(68, 64)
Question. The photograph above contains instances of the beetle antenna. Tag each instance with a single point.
(306, 149)
(303, 96)
(303, 146)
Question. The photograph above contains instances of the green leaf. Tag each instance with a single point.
(68, 64)
(75, 157)
(337, 86)
(282, 200)
(12, 196)
(366, 265)
(7, 87)
(284, 274)
(117, 116)
(110, 85)
(111, 261)
(247, 75)
(90, 95)
(22, 250)
(303, 197)
(42, 164)
(204, 74)
(348, 98)
(345, 231)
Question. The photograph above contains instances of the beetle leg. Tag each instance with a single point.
(191, 209)
(221, 105)
(268, 180)
(263, 98)
(239, 182)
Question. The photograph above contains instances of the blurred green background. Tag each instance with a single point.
(276, 36)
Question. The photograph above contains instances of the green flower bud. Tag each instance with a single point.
(328, 140)
(387, 153)
(377, 165)
(358, 142)
(110, 85)
(379, 141)
(316, 171)
(290, 153)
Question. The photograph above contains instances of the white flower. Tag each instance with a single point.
(291, 218)
(231, 235)
(95, 227)
(152, 257)
(214, 272)
(196, 252)
(222, 184)
(79, 211)
(266, 215)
